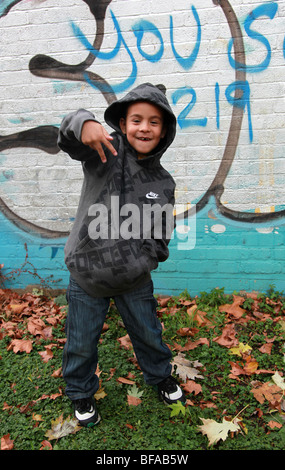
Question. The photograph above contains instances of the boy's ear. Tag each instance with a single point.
(123, 125)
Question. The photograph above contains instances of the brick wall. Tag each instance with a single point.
(228, 156)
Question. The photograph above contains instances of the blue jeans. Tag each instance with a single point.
(85, 319)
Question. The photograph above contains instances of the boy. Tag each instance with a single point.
(122, 174)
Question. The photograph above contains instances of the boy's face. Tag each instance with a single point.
(143, 127)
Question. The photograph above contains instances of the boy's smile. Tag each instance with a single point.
(143, 126)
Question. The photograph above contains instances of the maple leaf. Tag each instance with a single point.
(184, 368)
(216, 431)
(134, 396)
(268, 391)
(177, 408)
(240, 349)
(249, 368)
(61, 427)
(20, 345)
(192, 386)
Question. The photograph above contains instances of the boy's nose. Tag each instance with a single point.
(144, 126)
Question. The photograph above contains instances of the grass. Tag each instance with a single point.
(32, 389)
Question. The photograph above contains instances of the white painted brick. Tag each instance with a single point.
(45, 188)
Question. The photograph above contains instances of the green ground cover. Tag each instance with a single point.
(228, 354)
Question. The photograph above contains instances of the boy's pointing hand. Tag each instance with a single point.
(94, 135)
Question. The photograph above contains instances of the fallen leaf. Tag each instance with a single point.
(134, 396)
(100, 394)
(46, 445)
(227, 337)
(266, 348)
(18, 308)
(216, 431)
(274, 424)
(194, 344)
(251, 365)
(57, 373)
(37, 417)
(122, 380)
(234, 309)
(177, 408)
(133, 401)
(20, 345)
(278, 380)
(192, 387)
(46, 355)
(125, 342)
(240, 349)
(267, 391)
(184, 368)
(6, 442)
(61, 427)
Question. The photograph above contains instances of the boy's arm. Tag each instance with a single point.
(80, 134)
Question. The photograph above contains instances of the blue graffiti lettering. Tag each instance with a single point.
(241, 102)
(117, 88)
(188, 62)
(269, 10)
(182, 119)
(142, 27)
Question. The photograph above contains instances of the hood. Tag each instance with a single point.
(152, 94)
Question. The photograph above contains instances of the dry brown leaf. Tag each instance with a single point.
(227, 337)
(20, 345)
(123, 380)
(133, 401)
(274, 424)
(267, 391)
(61, 427)
(6, 442)
(125, 342)
(185, 368)
(234, 309)
(192, 387)
(46, 445)
(46, 355)
(266, 348)
(134, 395)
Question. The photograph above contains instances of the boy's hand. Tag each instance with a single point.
(94, 135)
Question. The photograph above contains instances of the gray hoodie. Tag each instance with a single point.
(123, 224)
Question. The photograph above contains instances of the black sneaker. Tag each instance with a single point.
(170, 392)
(85, 412)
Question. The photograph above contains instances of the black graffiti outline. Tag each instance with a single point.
(45, 66)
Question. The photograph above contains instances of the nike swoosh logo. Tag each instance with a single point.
(152, 195)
